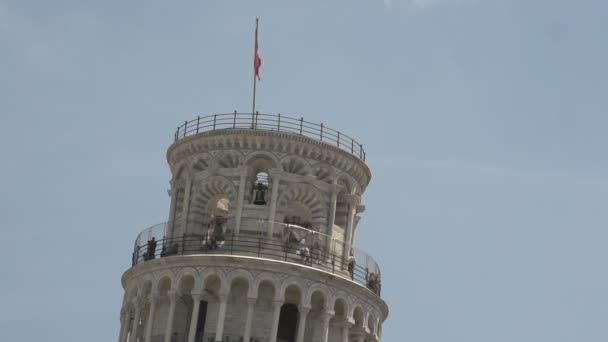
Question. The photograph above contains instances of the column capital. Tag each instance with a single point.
(222, 298)
(304, 310)
(348, 322)
(373, 337)
(153, 298)
(138, 302)
(172, 294)
(197, 296)
(353, 200)
(278, 302)
(252, 300)
(327, 315)
(335, 189)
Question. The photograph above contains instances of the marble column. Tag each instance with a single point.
(171, 221)
(325, 318)
(186, 205)
(221, 317)
(150, 320)
(349, 231)
(332, 220)
(304, 310)
(138, 304)
(196, 304)
(169, 328)
(239, 201)
(275, 320)
(249, 320)
(273, 203)
(124, 324)
(345, 330)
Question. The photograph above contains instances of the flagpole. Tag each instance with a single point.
(254, 74)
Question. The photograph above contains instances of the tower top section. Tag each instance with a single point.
(276, 133)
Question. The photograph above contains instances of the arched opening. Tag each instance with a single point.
(218, 222)
(298, 214)
(263, 308)
(288, 323)
(371, 321)
(163, 287)
(318, 306)
(260, 188)
(210, 303)
(358, 317)
(336, 322)
(183, 307)
(257, 187)
(237, 301)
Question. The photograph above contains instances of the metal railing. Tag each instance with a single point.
(270, 122)
(293, 244)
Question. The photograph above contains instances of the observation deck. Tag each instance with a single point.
(271, 122)
(294, 244)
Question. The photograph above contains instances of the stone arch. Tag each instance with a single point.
(245, 275)
(262, 159)
(296, 165)
(324, 172)
(258, 163)
(291, 282)
(269, 278)
(133, 291)
(307, 195)
(181, 168)
(202, 162)
(346, 182)
(228, 159)
(165, 277)
(204, 192)
(208, 275)
(370, 323)
(358, 315)
(188, 272)
(341, 297)
(317, 288)
(147, 286)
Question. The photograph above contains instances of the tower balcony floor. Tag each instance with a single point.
(360, 268)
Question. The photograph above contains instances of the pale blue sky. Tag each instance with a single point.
(484, 123)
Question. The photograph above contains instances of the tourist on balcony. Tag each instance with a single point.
(351, 266)
(151, 251)
(304, 251)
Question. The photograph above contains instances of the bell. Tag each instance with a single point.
(259, 194)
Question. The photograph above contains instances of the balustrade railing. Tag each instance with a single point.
(291, 243)
(271, 122)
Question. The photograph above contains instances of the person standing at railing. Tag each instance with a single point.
(316, 249)
(351, 266)
(151, 251)
(304, 251)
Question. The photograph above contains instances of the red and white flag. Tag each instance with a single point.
(257, 60)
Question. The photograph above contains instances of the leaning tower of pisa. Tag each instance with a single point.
(260, 242)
